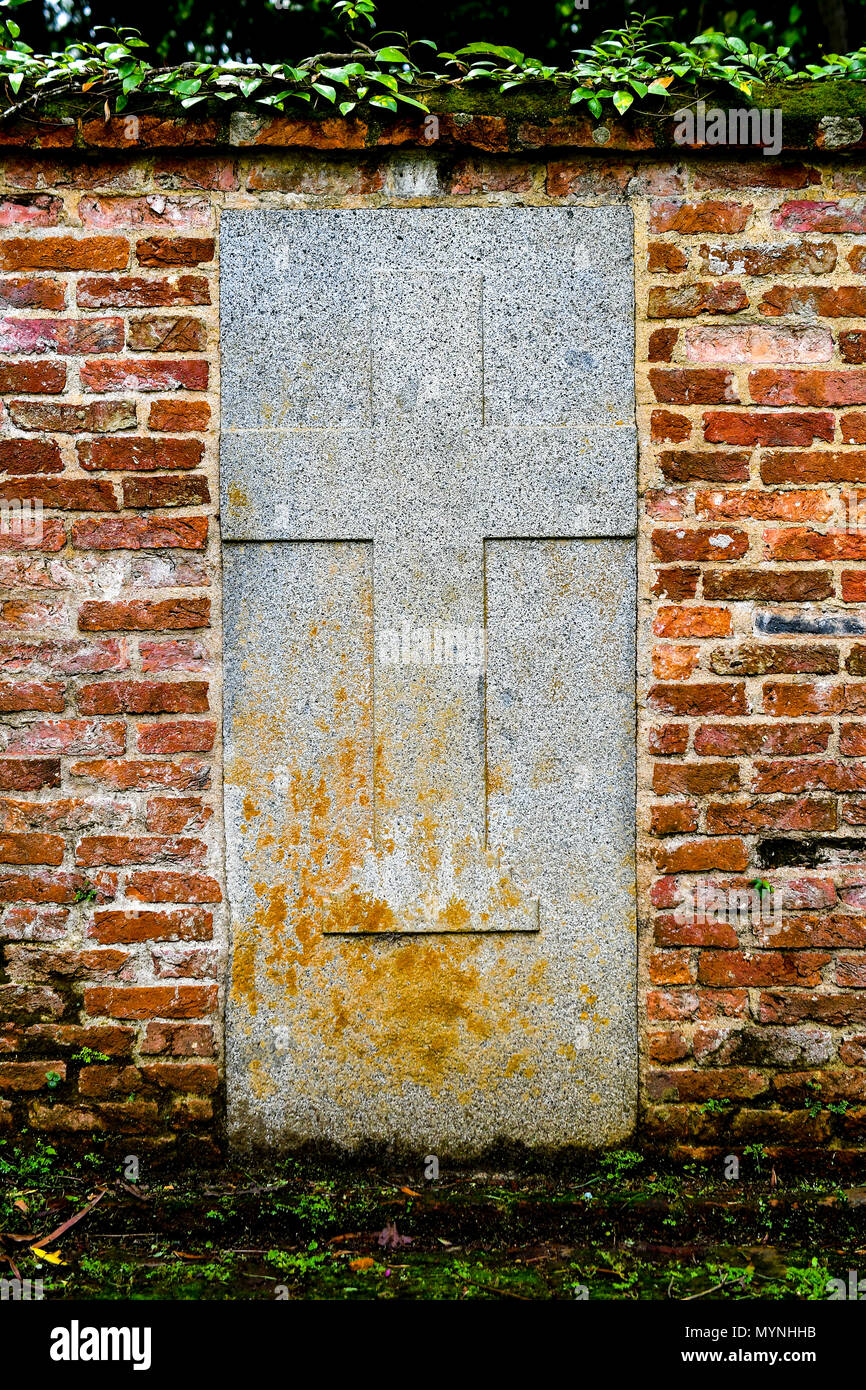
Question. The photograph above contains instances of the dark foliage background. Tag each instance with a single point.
(286, 30)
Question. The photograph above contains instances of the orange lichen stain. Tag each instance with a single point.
(237, 498)
(357, 911)
(251, 810)
(261, 1081)
(455, 915)
(507, 893)
(244, 970)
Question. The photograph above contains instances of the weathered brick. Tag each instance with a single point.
(151, 1001)
(179, 736)
(174, 250)
(140, 615)
(135, 533)
(140, 455)
(135, 375)
(144, 697)
(139, 292)
(64, 253)
(187, 924)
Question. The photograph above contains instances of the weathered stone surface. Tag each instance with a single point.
(406, 393)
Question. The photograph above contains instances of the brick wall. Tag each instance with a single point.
(752, 652)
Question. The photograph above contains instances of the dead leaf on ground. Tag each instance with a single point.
(359, 1265)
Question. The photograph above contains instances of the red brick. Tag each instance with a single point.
(663, 256)
(758, 427)
(707, 697)
(170, 416)
(789, 586)
(29, 775)
(30, 456)
(32, 292)
(144, 697)
(29, 1076)
(166, 333)
(764, 173)
(848, 301)
(806, 774)
(749, 818)
(771, 387)
(775, 658)
(662, 342)
(854, 586)
(177, 815)
(55, 886)
(31, 849)
(68, 658)
(33, 378)
(140, 615)
(697, 621)
(137, 375)
(32, 695)
(99, 417)
(159, 886)
(151, 1001)
(183, 491)
(670, 740)
(766, 506)
(702, 856)
(672, 215)
(754, 343)
(681, 581)
(141, 775)
(136, 292)
(739, 1083)
(174, 656)
(180, 1039)
(853, 427)
(665, 426)
(175, 250)
(187, 924)
(673, 820)
(699, 544)
(69, 336)
(807, 216)
(64, 494)
(795, 258)
(693, 386)
(94, 850)
(799, 543)
(64, 253)
(852, 345)
(81, 736)
(153, 210)
(134, 533)
(180, 736)
(771, 740)
(687, 301)
(761, 968)
(687, 465)
(140, 455)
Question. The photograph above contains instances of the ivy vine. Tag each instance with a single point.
(623, 66)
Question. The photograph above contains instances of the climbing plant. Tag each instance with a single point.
(624, 66)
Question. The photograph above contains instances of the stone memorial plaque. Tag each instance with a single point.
(428, 484)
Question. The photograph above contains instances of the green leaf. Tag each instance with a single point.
(391, 55)
(622, 100)
(508, 55)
